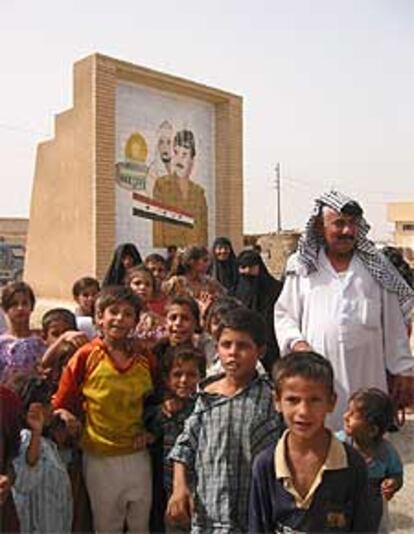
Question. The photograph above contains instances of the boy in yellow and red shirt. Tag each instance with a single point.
(105, 382)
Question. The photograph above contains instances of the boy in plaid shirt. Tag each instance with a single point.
(233, 420)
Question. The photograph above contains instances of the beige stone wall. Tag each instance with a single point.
(60, 247)
(72, 216)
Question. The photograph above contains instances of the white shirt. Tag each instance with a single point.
(348, 318)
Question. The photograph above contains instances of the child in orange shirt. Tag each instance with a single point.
(106, 380)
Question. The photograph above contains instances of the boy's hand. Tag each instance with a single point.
(388, 488)
(171, 406)
(75, 338)
(73, 425)
(5, 487)
(35, 417)
(180, 507)
(204, 301)
(142, 440)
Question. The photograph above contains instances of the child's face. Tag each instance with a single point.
(55, 330)
(180, 324)
(214, 325)
(127, 261)
(238, 354)
(304, 403)
(20, 310)
(141, 285)
(201, 265)
(355, 424)
(86, 300)
(183, 378)
(158, 270)
(117, 321)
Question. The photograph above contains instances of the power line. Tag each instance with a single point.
(279, 214)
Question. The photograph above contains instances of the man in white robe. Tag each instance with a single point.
(343, 299)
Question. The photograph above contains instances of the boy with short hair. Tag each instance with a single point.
(232, 421)
(108, 380)
(158, 266)
(62, 339)
(309, 482)
(85, 292)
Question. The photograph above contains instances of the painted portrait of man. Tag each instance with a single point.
(178, 190)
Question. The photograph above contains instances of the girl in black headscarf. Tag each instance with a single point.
(224, 265)
(259, 291)
(125, 257)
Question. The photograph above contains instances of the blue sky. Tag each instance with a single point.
(328, 88)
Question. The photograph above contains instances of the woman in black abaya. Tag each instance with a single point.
(259, 291)
(224, 265)
(125, 257)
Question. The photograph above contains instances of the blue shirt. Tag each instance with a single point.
(42, 493)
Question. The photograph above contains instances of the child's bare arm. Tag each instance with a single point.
(35, 421)
(390, 486)
(73, 337)
(180, 506)
(5, 487)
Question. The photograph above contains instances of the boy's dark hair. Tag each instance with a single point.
(58, 314)
(155, 258)
(10, 291)
(33, 388)
(220, 307)
(242, 319)
(137, 269)
(184, 300)
(193, 253)
(184, 353)
(376, 408)
(309, 365)
(84, 283)
(110, 295)
(30, 388)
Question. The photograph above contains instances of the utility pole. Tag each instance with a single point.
(279, 214)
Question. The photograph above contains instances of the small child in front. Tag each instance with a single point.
(309, 482)
(42, 490)
(107, 379)
(85, 292)
(182, 369)
(370, 412)
(232, 421)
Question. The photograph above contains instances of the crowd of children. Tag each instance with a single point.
(149, 410)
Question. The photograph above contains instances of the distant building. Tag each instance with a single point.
(14, 230)
(275, 247)
(402, 215)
